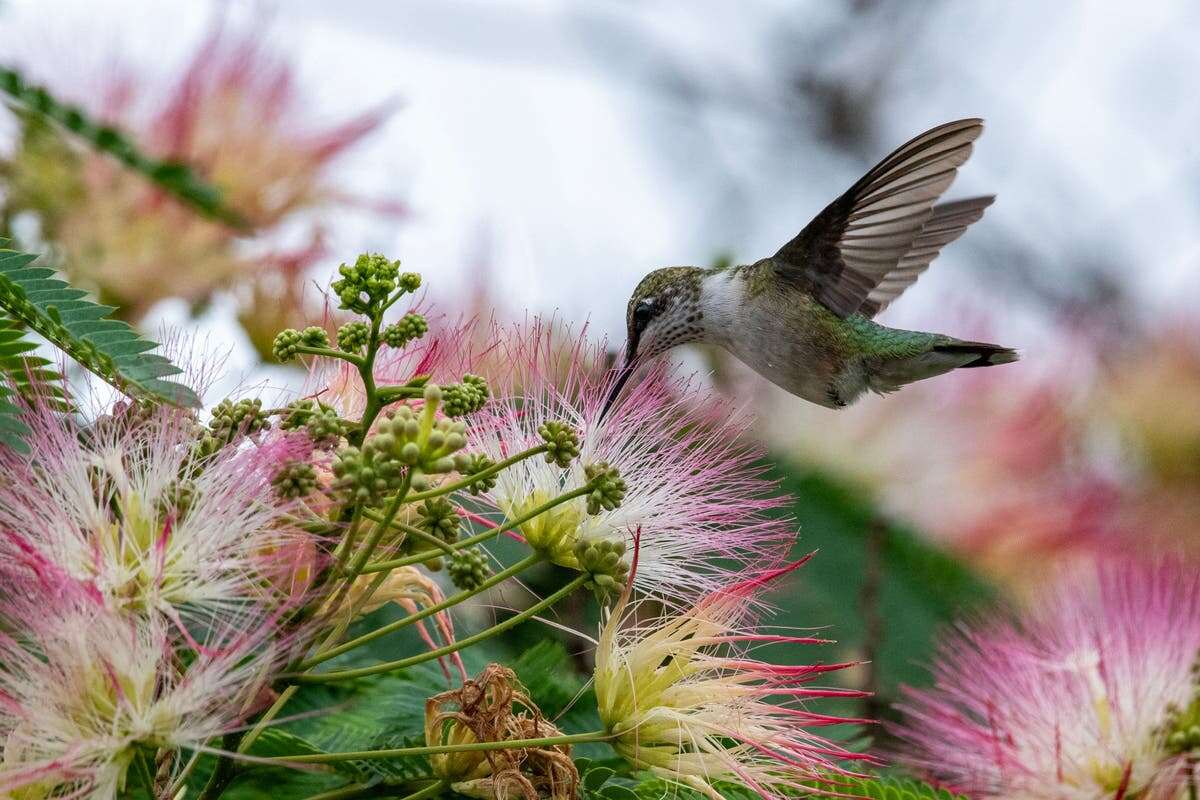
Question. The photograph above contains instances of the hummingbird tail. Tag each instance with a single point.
(986, 355)
(888, 375)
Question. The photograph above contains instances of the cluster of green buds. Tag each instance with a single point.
(366, 286)
(468, 569)
(1183, 724)
(177, 499)
(438, 517)
(410, 327)
(230, 421)
(603, 559)
(353, 337)
(295, 479)
(562, 443)
(607, 487)
(407, 441)
(288, 342)
(474, 465)
(320, 421)
(366, 475)
(460, 399)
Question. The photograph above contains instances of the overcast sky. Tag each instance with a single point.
(575, 146)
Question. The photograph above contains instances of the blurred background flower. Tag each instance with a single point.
(237, 115)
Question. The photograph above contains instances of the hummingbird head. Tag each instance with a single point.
(663, 312)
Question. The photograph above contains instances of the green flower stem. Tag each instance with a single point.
(369, 546)
(329, 352)
(470, 747)
(427, 538)
(270, 714)
(366, 371)
(347, 544)
(390, 394)
(144, 772)
(417, 558)
(453, 647)
(478, 476)
(424, 613)
(183, 775)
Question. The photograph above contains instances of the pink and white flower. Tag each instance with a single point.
(1075, 701)
(122, 508)
(695, 490)
(683, 697)
(85, 689)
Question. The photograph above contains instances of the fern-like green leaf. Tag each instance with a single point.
(174, 177)
(83, 330)
(26, 375)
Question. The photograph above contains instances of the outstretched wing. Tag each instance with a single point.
(946, 223)
(844, 253)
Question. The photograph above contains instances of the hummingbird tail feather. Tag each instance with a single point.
(888, 375)
(987, 355)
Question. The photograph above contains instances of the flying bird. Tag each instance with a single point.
(803, 318)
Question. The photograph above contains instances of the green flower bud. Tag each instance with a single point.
(284, 346)
(409, 281)
(603, 560)
(314, 336)
(366, 286)
(295, 479)
(411, 326)
(177, 499)
(353, 337)
(469, 569)
(466, 397)
(438, 516)
(562, 443)
(476, 464)
(366, 475)
(231, 421)
(607, 487)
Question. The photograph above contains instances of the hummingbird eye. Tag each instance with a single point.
(642, 314)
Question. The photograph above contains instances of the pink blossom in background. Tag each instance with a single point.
(1074, 700)
(238, 116)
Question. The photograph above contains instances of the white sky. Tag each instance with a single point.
(524, 139)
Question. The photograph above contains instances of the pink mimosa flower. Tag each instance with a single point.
(695, 488)
(684, 698)
(85, 688)
(1075, 701)
(122, 508)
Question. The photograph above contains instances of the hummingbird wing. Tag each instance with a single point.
(945, 224)
(852, 245)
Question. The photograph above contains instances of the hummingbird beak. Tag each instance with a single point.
(626, 371)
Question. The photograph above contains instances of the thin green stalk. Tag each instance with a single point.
(224, 773)
(485, 473)
(329, 352)
(453, 647)
(427, 538)
(144, 773)
(424, 613)
(391, 394)
(348, 542)
(182, 777)
(470, 747)
(250, 738)
(417, 558)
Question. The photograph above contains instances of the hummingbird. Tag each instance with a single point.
(804, 317)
